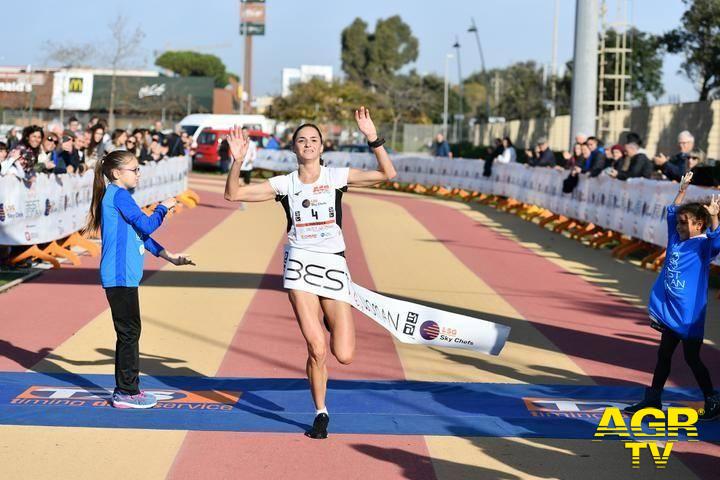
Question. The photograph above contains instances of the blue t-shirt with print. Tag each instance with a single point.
(678, 299)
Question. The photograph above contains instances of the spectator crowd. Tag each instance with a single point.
(622, 161)
(70, 148)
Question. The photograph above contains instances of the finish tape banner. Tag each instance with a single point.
(55, 206)
(635, 207)
(327, 275)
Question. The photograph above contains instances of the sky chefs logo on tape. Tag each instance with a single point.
(48, 396)
(429, 330)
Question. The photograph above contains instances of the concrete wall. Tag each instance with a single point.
(658, 126)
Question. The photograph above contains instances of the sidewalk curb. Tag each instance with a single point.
(32, 274)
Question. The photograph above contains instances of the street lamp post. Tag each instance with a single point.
(486, 81)
(461, 116)
(553, 68)
(445, 98)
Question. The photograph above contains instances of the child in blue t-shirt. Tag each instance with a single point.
(125, 233)
(678, 299)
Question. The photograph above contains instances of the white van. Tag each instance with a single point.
(197, 122)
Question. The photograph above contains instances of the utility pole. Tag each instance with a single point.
(445, 97)
(553, 68)
(461, 115)
(473, 29)
(585, 69)
(247, 75)
(252, 22)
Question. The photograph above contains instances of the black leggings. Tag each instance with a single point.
(125, 308)
(691, 351)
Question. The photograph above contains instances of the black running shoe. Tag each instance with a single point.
(319, 428)
(712, 408)
(651, 400)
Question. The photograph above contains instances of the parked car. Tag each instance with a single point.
(196, 123)
(209, 141)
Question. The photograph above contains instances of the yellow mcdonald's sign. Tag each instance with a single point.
(75, 85)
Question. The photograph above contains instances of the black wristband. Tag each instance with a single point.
(379, 142)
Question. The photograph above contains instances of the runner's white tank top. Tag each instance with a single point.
(313, 211)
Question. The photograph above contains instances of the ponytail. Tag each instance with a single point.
(103, 170)
(93, 224)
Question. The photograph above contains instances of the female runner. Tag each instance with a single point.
(311, 197)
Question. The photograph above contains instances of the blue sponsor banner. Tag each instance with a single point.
(359, 407)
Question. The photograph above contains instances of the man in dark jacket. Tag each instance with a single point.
(68, 157)
(674, 167)
(593, 162)
(440, 147)
(640, 164)
(543, 156)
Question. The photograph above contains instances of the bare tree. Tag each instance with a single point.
(69, 54)
(124, 47)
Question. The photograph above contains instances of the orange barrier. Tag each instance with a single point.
(605, 238)
(77, 240)
(634, 246)
(535, 212)
(472, 197)
(549, 219)
(659, 261)
(55, 250)
(594, 235)
(187, 201)
(564, 226)
(34, 253)
(653, 257)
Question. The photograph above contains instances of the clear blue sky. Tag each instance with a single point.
(308, 31)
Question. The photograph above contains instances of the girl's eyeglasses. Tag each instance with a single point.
(135, 170)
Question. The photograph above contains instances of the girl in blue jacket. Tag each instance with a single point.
(678, 299)
(125, 233)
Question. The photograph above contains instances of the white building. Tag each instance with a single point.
(291, 76)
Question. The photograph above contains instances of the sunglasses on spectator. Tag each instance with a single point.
(52, 139)
(694, 158)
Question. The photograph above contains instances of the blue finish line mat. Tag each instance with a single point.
(360, 407)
